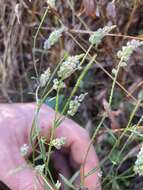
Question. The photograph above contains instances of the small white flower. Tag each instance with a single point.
(58, 84)
(53, 38)
(123, 64)
(40, 168)
(58, 185)
(100, 174)
(74, 104)
(98, 35)
(24, 150)
(114, 71)
(138, 168)
(45, 77)
(52, 3)
(69, 66)
(58, 142)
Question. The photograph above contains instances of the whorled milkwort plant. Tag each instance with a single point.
(56, 81)
(124, 56)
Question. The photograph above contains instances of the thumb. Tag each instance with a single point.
(17, 175)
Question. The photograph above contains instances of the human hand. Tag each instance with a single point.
(15, 126)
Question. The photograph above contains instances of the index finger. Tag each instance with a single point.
(77, 141)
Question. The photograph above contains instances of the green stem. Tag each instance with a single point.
(35, 39)
(53, 126)
(114, 83)
(126, 129)
(122, 135)
(53, 74)
(88, 66)
(56, 123)
(129, 138)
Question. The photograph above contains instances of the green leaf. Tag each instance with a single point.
(51, 102)
(67, 182)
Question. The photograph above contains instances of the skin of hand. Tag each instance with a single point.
(15, 125)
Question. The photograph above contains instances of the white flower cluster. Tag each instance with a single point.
(24, 150)
(114, 71)
(74, 104)
(127, 50)
(58, 185)
(53, 38)
(138, 168)
(52, 3)
(69, 66)
(58, 142)
(97, 36)
(125, 53)
(58, 84)
(40, 168)
(45, 77)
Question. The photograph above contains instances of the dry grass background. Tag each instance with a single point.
(16, 41)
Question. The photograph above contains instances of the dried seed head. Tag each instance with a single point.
(74, 104)
(97, 36)
(70, 66)
(126, 51)
(53, 38)
(45, 77)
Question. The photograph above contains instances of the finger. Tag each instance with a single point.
(61, 164)
(16, 173)
(78, 140)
